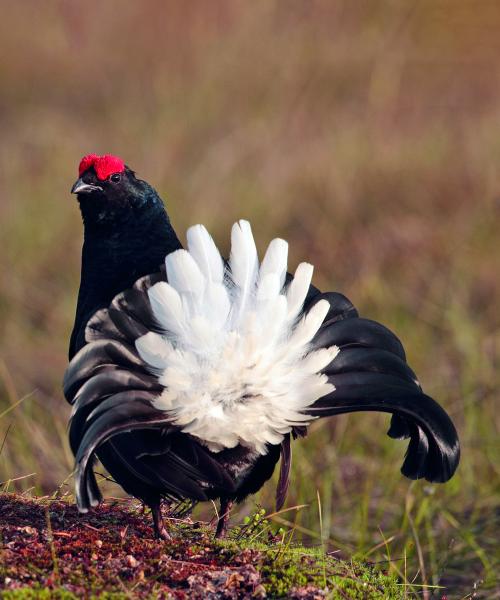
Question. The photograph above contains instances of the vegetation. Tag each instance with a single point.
(49, 551)
(364, 133)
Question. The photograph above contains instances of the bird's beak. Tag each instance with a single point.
(80, 187)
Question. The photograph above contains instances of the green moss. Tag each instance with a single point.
(300, 568)
(284, 568)
(37, 594)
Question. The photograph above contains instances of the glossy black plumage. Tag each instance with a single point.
(113, 391)
(369, 374)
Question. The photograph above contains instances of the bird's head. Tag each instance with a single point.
(109, 192)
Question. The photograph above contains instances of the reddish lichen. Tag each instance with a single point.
(48, 544)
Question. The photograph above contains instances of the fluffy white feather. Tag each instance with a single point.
(167, 307)
(184, 273)
(204, 251)
(298, 288)
(244, 265)
(235, 359)
(155, 350)
(275, 260)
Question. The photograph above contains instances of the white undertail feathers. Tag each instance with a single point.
(235, 359)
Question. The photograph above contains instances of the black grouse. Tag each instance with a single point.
(190, 375)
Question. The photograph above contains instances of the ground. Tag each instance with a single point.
(48, 550)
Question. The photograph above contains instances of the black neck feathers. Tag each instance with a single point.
(117, 252)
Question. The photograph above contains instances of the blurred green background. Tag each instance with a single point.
(367, 133)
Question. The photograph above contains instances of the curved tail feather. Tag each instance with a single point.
(133, 414)
(370, 373)
(433, 451)
(101, 386)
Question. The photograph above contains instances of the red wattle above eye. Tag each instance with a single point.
(104, 166)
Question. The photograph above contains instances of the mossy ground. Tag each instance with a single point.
(50, 551)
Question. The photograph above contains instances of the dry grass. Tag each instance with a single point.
(366, 133)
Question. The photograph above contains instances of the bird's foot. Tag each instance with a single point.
(158, 524)
(223, 522)
(162, 533)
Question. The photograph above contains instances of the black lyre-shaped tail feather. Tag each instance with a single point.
(112, 393)
(370, 373)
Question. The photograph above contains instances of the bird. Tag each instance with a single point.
(191, 375)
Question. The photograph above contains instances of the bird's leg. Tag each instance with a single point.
(158, 524)
(225, 511)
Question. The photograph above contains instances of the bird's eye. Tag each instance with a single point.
(115, 178)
